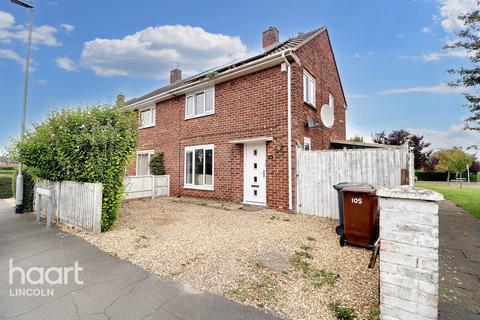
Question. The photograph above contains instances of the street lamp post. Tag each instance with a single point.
(19, 181)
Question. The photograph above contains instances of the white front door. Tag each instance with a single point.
(254, 174)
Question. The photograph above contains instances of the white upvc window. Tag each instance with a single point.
(199, 167)
(147, 117)
(200, 103)
(331, 101)
(143, 162)
(309, 89)
(307, 144)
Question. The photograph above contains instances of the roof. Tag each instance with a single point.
(292, 43)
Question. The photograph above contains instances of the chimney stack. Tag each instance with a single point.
(175, 75)
(270, 38)
(120, 101)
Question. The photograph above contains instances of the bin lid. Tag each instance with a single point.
(343, 185)
(367, 190)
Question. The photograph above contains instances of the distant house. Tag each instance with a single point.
(6, 162)
(231, 133)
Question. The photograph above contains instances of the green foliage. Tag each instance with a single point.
(431, 176)
(85, 145)
(28, 189)
(469, 40)
(6, 168)
(342, 313)
(156, 165)
(453, 160)
(6, 186)
(356, 139)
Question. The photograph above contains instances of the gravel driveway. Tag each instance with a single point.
(289, 264)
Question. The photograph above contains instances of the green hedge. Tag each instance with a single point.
(431, 176)
(5, 168)
(28, 189)
(442, 176)
(6, 186)
(85, 145)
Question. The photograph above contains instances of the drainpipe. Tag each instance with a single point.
(289, 145)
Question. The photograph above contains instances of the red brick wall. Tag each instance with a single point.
(250, 106)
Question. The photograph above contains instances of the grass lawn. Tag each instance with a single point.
(467, 197)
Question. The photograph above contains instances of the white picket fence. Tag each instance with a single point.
(318, 171)
(146, 186)
(75, 203)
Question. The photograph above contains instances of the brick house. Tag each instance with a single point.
(231, 133)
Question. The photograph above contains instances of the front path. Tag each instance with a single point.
(112, 288)
(459, 291)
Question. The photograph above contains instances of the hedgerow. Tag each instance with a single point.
(6, 186)
(86, 145)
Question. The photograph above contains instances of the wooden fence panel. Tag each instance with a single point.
(147, 186)
(318, 171)
(76, 203)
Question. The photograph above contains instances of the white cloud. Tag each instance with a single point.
(154, 51)
(451, 9)
(438, 89)
(425, 30)
(68, 27)
(41, 35)
(11, 55)
(455, 135)
(435, 56)
(42, 81)
(66, 64)
(400, 35)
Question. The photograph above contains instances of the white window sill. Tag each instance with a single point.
(191, 186)
(199, 115)
(152, 125)
(310, 105)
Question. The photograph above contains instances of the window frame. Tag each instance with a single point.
(153, 117)
(150, 153)
(192, 185)
(310, 79)
(331, 101)
(307, 141)
(193, 95)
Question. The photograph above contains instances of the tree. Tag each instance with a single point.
(453, 160)
(402, 136)
(356, 139)
(469, 40)
(156, 165)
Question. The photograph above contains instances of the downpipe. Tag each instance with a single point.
(289, 145)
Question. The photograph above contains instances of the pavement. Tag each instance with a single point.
(459, 262)
(111, 288)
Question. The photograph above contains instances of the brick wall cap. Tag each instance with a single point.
(407, 192)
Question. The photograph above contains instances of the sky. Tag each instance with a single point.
(389, 54)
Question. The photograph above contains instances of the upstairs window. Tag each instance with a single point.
(199, 167)
(147, 118)
(309, 89)
(200, 104)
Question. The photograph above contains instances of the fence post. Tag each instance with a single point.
(408, 253)
(153, 187)
(38, 206)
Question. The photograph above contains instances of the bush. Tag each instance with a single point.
(6, 186)
(432, 176)
(156, 165)
(28, 189)
(85, 145)
(7, 171)
(6, 168)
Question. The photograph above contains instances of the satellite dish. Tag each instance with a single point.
(327, 116)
